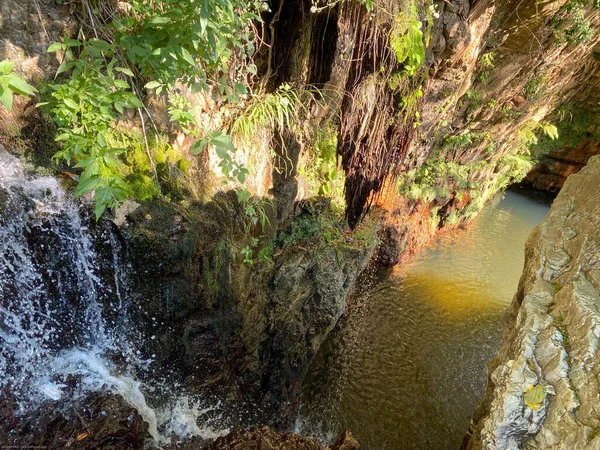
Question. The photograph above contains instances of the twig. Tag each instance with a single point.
(145, 109)
(37, 7)
(272, 28)
(146, 142)
(93, 25)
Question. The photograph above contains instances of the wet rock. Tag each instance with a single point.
(100, 420)
(264, 438)
(242, 333)
(346, 442)
(3, 200)
(550, 174)
(552, 334)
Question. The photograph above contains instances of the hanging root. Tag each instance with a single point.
(375, 133)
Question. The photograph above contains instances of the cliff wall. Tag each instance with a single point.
(543, 384)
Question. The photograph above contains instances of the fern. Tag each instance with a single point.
(280, 109)
(550, 130)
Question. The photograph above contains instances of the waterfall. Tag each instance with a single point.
(54, 309)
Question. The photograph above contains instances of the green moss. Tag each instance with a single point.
(266, 253)
(463, 140)
(304, 227)
(592, 435)
(215, 273)
(323, 230)
(143, 188)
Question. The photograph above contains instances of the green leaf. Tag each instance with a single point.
(85, 185)
(243, 195)
(63, 137)
(124, 70)
(6, 98)
(240, 89)
(6, 66)
(122, 84)
(19, 85)
(134, 102)
(550, 130)
(72, 42)
(160, 20)
(204, 15)
(100, 44)
(55, 47)
(222, 141)
(152, 85)
(85, 163)
(71, 104)
(187, 57)
(198, 146)
(67, 65)
(101, 140)
(99, 209)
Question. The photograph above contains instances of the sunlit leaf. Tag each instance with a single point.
(534, 396)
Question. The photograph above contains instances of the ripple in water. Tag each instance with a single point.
(408, 367)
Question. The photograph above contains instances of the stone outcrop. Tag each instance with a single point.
(551, 335)
(246, 332)
(552, 172)
(100, 420)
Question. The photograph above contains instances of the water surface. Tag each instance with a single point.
(407, 369)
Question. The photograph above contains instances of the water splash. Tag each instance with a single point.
(52, 311)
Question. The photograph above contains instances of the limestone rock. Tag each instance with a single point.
(552, 334)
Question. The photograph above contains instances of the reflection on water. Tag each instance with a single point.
(408, 367)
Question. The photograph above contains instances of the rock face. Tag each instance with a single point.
(244, 333)
(552, 334)
(578, 141)
(552, 172)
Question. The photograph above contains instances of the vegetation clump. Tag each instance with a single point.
(570, 24)
(157, 46)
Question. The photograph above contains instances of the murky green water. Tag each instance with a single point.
(408, 367)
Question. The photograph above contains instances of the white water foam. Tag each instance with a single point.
(46, 338)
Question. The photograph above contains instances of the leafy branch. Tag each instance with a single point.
(12, 83)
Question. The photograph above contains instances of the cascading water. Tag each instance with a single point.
(59, 321)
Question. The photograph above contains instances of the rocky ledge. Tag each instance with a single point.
(544, 386)
(104, 420)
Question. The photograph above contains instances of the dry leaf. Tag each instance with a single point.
(534, 396)
(82, 436)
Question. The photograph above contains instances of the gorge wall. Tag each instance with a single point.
(424, 140)
(543, 384)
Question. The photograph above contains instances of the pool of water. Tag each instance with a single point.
(407, 368)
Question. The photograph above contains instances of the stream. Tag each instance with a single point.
(407, 368)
